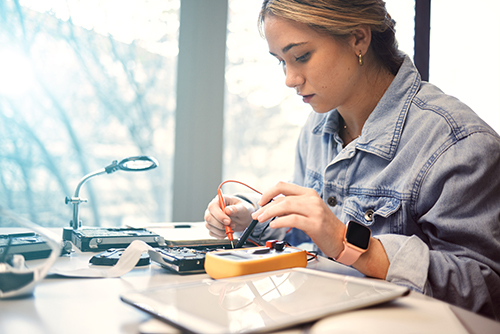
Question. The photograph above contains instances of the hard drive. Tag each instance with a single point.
(90, 239)
(29, 244)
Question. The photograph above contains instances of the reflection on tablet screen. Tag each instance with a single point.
(261, 302)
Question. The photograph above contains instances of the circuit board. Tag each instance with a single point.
(184, 260)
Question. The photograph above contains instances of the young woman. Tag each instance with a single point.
(385, 150)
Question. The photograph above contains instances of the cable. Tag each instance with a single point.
(222, 204)
(250, 228)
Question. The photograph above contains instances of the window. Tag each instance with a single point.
(463, 54)
(263, 116)
(403, 12)
(84, 83)
(87, 82)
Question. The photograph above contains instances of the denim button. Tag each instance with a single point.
(332, 201)
(369, 215)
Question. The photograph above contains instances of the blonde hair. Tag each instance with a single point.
(340, 18)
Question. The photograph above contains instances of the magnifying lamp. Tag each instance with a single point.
(118, 237)
(132, 164)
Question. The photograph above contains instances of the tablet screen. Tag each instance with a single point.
(266, 301)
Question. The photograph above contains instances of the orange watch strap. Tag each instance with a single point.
(349, 255)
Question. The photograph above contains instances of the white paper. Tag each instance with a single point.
(126, 263)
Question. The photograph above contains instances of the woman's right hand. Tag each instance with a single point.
(237, 215)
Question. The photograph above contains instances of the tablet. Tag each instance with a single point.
(260, 302)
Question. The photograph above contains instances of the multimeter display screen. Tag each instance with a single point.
(358, 235)
(232, 256)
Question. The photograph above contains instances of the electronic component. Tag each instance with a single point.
(99, 239)
(112, 255)
(245, 261)
(184, 260)
(30, 245)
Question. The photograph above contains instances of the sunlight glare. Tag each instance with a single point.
(17, 74)
(148, 23)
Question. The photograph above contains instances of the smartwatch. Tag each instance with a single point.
(356, 241)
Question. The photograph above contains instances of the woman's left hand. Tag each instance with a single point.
(304, 209)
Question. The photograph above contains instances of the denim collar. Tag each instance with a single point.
(382, 130)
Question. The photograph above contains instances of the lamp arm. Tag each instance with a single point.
(76, 200)
(85, 179)
(111, 168)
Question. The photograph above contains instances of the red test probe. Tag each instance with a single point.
(229, 230)
(222, 204)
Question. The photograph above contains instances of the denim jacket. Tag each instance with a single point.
(425, 177)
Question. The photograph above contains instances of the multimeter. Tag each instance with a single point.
(245, 261)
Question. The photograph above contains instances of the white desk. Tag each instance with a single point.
(74, 305)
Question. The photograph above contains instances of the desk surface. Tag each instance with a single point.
(92, 305)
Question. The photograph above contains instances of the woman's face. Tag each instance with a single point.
(323, 70)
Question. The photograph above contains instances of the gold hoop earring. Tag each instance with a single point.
(360, 59)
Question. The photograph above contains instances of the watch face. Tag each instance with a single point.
(358, 235)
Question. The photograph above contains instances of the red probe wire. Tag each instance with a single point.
(222, 204)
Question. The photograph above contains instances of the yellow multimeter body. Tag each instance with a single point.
(246, 261)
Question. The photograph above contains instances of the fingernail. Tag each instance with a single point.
(226, 221)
